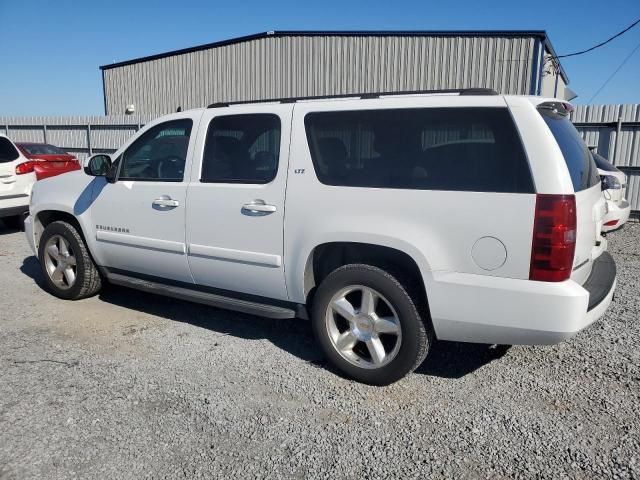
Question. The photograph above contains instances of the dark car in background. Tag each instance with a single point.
(48, 160)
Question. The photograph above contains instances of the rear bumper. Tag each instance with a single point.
(10, 211)
(618, 213)
(483, 309)
(14, 195)
(601, 281)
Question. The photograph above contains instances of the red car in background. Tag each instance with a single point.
(48, 160)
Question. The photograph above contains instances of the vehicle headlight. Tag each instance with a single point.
(609, 182)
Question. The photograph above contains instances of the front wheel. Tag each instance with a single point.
(368, 325)
(67, 267)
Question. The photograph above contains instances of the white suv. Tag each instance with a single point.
(16, 179)
(389, 221)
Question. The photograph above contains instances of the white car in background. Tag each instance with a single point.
(17, 176)
(614, 189)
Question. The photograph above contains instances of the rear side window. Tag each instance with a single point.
(241, 149)
(582, 169)
(8, 152)
(463, 149)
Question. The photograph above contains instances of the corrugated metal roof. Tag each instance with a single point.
(541, 34)
(318, 65)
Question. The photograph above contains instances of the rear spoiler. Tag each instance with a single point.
(561, 108)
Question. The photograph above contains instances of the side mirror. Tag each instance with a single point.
(112, 172)
(97, 165)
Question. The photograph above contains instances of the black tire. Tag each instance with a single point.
(88, 281)
(417, 334)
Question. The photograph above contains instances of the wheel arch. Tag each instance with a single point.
(45, 217)
(324, 258)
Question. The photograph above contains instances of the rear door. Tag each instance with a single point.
(590, 203)
(235, 202)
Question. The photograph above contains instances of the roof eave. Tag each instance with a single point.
(548, 46)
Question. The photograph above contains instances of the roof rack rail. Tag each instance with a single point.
(478, 91)
(368, 95)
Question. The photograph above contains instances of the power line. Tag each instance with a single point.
(601, 44)
(615, 72)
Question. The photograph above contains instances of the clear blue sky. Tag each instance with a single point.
(51, 50)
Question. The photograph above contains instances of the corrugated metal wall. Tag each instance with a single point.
(78, 135)
(598, 125)
(290, 66)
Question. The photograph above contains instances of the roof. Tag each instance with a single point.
(541, 34)
(534, 99)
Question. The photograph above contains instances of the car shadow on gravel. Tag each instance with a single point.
(446, 359)
(293, 336)
(457, 359)
(31, 268)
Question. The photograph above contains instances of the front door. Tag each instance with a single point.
(139, 220)
(235, 208)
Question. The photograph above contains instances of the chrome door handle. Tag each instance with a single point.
(257, 208)
(166, 201)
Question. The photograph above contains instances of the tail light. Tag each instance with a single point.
(26, 167)
(554, 238)
(609, 182)
(611, 223)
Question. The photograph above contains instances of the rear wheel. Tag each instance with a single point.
(66, 264)
(368, 325)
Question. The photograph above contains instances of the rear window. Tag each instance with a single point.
(8, 152)
(603, 164)
(42, 149)
(464, 149)
(582, 169)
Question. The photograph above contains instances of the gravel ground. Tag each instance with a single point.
(131, 385)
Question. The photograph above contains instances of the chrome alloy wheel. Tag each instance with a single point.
(60, 262)
(363, 327)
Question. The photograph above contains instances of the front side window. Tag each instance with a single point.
(160, 154)
(241, 148)
(463, 149)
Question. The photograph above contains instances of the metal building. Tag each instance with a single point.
(290, 64)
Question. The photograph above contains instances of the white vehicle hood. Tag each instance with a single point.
(71, 192)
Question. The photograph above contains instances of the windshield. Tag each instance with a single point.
(582, 168)
(42, 149)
